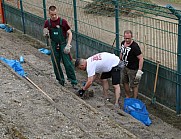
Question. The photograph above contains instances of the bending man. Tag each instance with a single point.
(106, 64)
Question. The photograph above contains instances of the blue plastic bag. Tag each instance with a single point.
(2, 26)
(45, 51)
(137, 109)
(15, 65)
(21, 59)
(6, 28)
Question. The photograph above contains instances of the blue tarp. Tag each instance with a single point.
(137, 109)
(15, 65)
(6, 28)
(45, 51)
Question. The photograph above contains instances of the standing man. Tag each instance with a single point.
(61, 36)
(106, 64)
(133, 60)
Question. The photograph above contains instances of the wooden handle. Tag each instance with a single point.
(50, 99)
(156, 76)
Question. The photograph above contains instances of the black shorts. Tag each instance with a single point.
(114, 73)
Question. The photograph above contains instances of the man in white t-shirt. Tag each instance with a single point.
(106, 64)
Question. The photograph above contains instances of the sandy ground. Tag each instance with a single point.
(25, 112)
(164, 3)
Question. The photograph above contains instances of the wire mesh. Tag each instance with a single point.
(14, 3)
(155, 28)
(158, 37)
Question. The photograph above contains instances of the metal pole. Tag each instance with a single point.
(178, 94)
(178, 88)
(22, 14)
(117, 25)
(45, 17)
(44, 9)
(76, 27)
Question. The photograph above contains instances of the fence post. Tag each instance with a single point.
(44, 9)
(2, 11)
(22, 14)
(18, 4)
(45, 16)
(178, 89)
(178, 109)
(116, 3)
(76, 27)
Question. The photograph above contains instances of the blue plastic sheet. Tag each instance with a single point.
(45, 51)
(21, 59)
(2, 26)
(137, 109)
(6, 28)
(15, 65)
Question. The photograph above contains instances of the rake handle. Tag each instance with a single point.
(50, 99)
(56, 64)
(156, 76)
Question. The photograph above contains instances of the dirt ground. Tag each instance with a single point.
(25, 112)
(163, 3)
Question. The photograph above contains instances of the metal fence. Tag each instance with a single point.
(98, 25)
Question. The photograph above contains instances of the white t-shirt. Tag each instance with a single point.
(101, 62)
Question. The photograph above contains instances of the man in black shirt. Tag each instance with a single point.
(132, 56)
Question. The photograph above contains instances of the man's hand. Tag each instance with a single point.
(67, 48)
(138, 74)
(121, 64)
(81, 92)
(46, 32)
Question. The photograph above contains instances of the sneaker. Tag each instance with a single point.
(74, 86)
(116, 107)
(107, 101)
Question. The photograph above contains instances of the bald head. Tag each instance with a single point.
(80, 63)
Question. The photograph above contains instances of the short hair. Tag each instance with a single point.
(128, 32)
(77, 62)
(52, 8)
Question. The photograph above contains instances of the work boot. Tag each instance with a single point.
(74, 86)
(61, 82)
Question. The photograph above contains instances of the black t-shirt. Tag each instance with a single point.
(129, 55)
